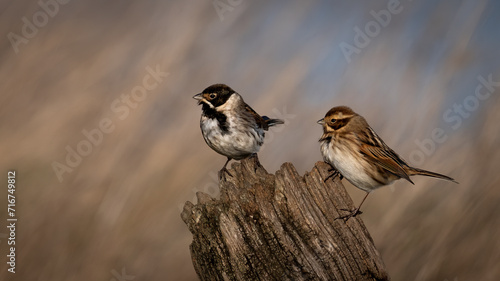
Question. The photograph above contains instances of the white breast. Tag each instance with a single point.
(350, 164)
(240, 141)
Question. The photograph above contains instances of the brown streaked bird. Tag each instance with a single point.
(353, 148)
(229, 125)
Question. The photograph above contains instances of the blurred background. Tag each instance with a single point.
(98, 121)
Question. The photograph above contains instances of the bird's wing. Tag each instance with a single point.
(383, 156)
(258, 119)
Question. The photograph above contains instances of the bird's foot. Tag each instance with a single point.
(256, 161)
(352, 213)
(333, 172)
(223, 172)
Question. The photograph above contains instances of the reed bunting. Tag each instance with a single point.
(229, 125)
(353, 148)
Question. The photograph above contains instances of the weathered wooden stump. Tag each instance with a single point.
(279, 227)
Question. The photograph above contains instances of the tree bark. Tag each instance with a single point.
(280, 227)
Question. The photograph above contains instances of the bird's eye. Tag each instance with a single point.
(333, 120)
(212, 96)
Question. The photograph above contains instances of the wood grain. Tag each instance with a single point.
(280, 227)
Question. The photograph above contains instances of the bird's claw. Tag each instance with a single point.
(352, 213)
(333, 172)
(223, 172)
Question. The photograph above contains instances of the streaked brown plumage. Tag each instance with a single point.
(352, 147)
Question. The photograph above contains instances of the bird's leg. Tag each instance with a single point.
(255, 160)
(333, 172)
(354, 212)
(223, 171)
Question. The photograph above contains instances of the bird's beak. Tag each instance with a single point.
(198, 97)
(321, 121)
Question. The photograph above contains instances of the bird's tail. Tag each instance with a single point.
(271, 122)
(417, 171)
